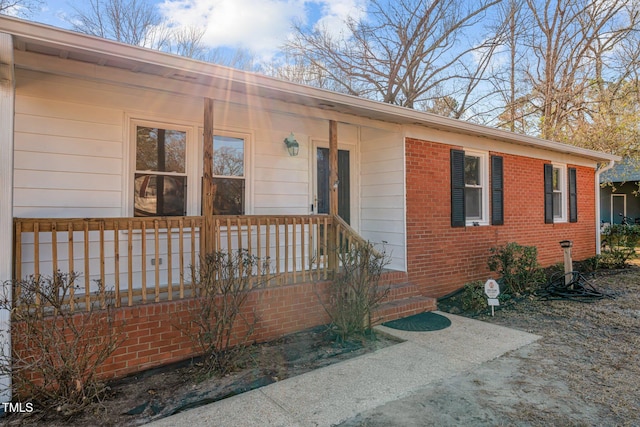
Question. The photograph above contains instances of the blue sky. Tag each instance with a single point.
(259, 25)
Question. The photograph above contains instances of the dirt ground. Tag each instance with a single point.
(585, 371)
(166, 391)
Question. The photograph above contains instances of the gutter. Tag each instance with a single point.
(597, 187)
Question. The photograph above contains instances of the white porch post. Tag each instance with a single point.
(7, 105)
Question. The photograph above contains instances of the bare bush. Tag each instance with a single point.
(356, 291)
(56, 353)
(220, 326)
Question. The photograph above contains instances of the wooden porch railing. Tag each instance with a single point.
(148, 259)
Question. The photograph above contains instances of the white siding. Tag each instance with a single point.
(382, 194)
(68, 159)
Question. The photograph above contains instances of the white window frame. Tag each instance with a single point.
(484, 187)
(563, 191)
(191, 164)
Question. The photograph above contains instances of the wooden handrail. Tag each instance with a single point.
(94, 224)
(351, 235)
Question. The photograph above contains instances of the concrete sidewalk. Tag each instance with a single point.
(333, 394)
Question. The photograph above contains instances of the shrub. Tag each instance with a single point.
(473, 296)
(356, 292)
(619, 243)
(56, 353)
(518, 267)
(219, 326)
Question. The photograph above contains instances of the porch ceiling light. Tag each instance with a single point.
(292, 145)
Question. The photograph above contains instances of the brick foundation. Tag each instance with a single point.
(154, 334)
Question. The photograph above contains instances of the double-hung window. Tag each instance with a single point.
(470, 189)
(559, 193)
(560, 189)
(160, 178)
(229, 175)
(475, 188)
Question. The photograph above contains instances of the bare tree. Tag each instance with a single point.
(138, 22)
(405, 51)
(135, 22)
(187, 41)
(565, 38)
(23, 8)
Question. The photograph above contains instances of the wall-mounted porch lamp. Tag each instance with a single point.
(292, 145)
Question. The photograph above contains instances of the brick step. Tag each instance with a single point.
(403, 290)
(397, 309)
(392, 276)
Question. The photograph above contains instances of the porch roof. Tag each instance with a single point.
(107, 55)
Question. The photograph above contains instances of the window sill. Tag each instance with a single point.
(477, 223)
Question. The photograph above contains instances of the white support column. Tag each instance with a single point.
(7, 107)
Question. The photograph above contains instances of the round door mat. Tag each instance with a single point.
(420, 322)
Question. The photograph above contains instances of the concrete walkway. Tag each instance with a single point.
(333, 394)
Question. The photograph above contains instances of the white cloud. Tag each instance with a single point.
(336, 12)
(259, 25)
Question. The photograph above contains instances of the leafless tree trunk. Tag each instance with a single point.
(507, 81)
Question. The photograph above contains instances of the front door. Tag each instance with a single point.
(323, 185)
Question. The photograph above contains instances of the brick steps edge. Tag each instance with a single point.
(397, 309)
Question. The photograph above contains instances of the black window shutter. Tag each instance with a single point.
(548, 193)
(457, 189)
(573, 196)
(497, 199)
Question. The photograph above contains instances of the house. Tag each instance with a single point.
(619, 192)
(124, 164)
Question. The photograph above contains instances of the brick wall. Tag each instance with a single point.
(441, 259)
(155, 334)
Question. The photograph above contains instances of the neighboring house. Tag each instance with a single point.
(619, 192)
(124, 164)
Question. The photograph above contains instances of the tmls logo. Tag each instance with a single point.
(17, 407)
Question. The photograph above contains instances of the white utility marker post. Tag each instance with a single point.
(492, 289)
(7, 110)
